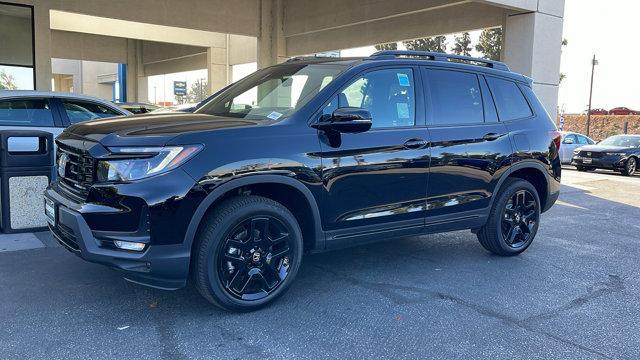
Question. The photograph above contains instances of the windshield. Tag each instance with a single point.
(622, 141)
(273, 93)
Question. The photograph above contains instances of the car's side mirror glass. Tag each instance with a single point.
(346, 120)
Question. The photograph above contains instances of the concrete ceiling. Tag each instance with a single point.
(89, 24)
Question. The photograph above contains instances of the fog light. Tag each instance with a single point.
(127, 245)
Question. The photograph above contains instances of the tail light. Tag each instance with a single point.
(556, 136)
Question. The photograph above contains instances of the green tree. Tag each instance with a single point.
(462, 44)
(7, 81)
(388, 46)
(563, 76)
(490, 43)
(435, 44)
(198, 91)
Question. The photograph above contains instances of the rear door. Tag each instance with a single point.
(470, 148)
(79, 110)
(29, 113)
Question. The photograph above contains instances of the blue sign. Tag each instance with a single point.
(179, 88)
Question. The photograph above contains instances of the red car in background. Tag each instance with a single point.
(599, 112)
(623, 111)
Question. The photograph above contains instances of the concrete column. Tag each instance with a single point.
(42, 46)
(218, 70)
(271, 42)
(137, 82)
(532, 46)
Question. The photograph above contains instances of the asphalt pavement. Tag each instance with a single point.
(575, 293)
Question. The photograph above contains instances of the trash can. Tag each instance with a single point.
(26, 169)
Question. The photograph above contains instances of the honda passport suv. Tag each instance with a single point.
(306, 156)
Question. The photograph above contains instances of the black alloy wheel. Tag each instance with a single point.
(519, 219)
(514, 218)
(255, 258)
(247, 254)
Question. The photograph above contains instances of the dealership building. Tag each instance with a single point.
(54, 44)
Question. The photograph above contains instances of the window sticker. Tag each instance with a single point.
(403, 79)
(274, 115)
(403, 110)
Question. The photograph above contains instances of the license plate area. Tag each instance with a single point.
(50, 211)
(587, 160)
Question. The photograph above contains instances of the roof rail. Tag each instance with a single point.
(436, 56)
(311, 57)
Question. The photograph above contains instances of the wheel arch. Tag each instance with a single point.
(261, 185)
(531, 171)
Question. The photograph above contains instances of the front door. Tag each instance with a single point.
(375, 182)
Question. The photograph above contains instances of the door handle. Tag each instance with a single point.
(491, 136)
(415, 144)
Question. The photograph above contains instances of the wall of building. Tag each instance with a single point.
(15, 40)
(87, 77)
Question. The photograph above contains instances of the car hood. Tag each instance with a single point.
(604, 148)
(151, 129)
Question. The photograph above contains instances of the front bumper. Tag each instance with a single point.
(606, 162)
(160, 266)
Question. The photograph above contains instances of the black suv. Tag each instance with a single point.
(309, 155)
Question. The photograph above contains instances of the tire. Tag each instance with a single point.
(241, 264)
(630, 167)
(511, 226)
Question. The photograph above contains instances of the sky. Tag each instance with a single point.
(609, 29)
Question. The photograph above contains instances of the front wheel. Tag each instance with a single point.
(514, 219)
(247, 253)
(583, 168)
(630, 167)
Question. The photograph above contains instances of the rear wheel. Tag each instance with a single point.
(248, 252)
(513, 220)
(630, 167)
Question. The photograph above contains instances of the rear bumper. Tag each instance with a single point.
(160, 266)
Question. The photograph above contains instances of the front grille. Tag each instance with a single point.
(78, 172)
(65, 236)
(590, 154)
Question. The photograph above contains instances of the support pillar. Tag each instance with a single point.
(42, 46)
(218, 69)
(532, 47)
(271, 42)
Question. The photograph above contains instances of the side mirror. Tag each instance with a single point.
(346, 120)
(568, 141)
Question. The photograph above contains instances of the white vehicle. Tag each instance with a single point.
(570, 142)
(49, 111)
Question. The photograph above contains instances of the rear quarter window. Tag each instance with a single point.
(510, 101)
(26, 112)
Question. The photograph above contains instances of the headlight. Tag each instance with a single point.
(133, 163)
(615, 154)
(576, 151)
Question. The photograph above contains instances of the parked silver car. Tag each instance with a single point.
(570, 142)
(49, 111)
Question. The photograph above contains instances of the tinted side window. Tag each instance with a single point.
(583, 140)
(455, 97)
(79, 111)
(27, 112)
(388, 94)
(509, 99)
